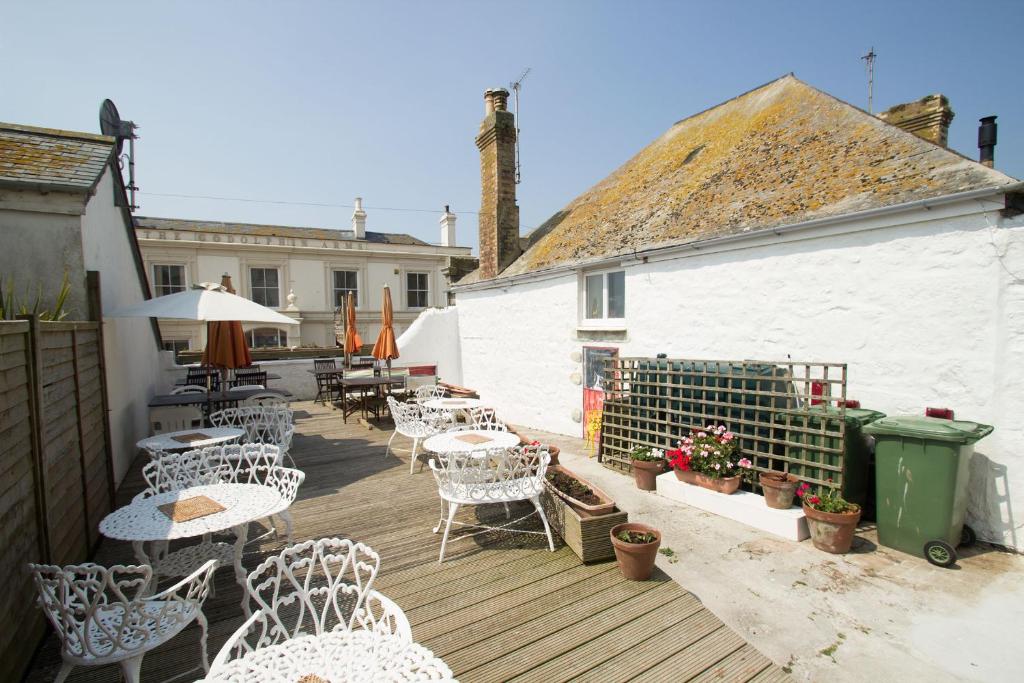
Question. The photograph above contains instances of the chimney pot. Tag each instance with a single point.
(987, 141)
(358, 220)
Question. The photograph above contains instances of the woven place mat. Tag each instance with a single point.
(191, 508)
(191, 438)
(454, 402)
(312, 678)
(474, 438)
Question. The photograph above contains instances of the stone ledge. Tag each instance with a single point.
(742, 506)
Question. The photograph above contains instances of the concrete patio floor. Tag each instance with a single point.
(874, 614)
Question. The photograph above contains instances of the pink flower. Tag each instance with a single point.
(745, 463)
(728, 436)
(701, 435)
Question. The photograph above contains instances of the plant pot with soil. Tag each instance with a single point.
(779, 489)
(647, 464)
(582, 496)
(636, 548)
(830, 519)
(709, 458)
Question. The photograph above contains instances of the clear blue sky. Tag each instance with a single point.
(322, 101)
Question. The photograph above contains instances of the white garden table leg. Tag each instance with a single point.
(241, 533)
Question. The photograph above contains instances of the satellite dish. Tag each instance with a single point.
(112, 125)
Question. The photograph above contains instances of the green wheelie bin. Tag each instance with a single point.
(921, 476)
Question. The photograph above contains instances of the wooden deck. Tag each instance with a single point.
(498, 609)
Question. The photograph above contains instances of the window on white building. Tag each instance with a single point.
(266, 337)
(168, 279)
(264, 287)
(604, 296)
(417, 290)
(176, 345)
(345, 281)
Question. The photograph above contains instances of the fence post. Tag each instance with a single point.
(95, 304)
(81, 440)
(36, 412)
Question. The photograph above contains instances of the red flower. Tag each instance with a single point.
(814, 500)
(678, 460)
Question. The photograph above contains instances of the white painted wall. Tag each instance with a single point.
(133, 373)
(433, 339)
(926, 313)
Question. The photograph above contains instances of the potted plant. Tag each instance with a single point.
(647, 464)
(779, 489)
(708, 457)
(636, 548)
(830, 519)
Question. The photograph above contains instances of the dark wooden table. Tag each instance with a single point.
(217, 397)
(363, 389)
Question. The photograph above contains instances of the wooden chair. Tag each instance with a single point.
(203, 376)
(244, 378)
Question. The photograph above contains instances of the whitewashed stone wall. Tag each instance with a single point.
(433, 339)
(926, 313)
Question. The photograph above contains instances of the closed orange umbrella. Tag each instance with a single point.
(226, 347)
(386, 348)
(353, 342)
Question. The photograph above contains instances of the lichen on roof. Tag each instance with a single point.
(781, 154)
(47, 156)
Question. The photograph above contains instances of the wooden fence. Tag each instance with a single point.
(788, 416)
(56, 470)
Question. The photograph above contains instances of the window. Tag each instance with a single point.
(266, 337)
(264, 287)
(604, 296)
(417, 292)
(168, 279)
(176, 345)
(345, 281)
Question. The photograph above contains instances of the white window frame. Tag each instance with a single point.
(168, 264)
(250, 336)
(333, 290)
(408, 302)
(252, 290)
(604, 322)
(187, 342)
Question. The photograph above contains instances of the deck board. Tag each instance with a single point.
(501, 607)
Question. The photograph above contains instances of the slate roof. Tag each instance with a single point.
(275, 231)
(781, 154)
(39, 157)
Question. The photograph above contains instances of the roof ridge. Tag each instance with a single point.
(56, 132)
(736, 97)
(267, 225)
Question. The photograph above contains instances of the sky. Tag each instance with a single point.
(299, 107)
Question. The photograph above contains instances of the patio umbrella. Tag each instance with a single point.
(386, 348)
(353, 342)
(226, 347)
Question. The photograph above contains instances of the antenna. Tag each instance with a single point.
(869, 58)
(515, 90)
(112, 125)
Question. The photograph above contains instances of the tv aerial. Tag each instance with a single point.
(515, 90)
(112, 125)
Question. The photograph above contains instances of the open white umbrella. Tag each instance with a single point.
(208, 302)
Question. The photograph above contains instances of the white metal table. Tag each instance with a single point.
(167, 442)
(453, 403)
(143, 521)
(356, 656)
(470, 441)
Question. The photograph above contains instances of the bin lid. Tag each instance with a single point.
(861, 416)
(933, 428)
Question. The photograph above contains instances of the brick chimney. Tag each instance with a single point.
(499, 214)
(928, 118)
(359, 220)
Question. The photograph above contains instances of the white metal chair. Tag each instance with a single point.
(174, 419)
(415, 422)
(101, 616)
(429, 392)
(262, 424)
(267, 399)
(485, 418)
(494, 476)
(188, 389)
(310, 589)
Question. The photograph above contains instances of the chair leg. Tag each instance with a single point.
(65, 669)
(508, 512)
(201, 618)
(543, 518)
(287, 517)
(452, 508)
(412, 461)
(272, 525)
(387, 452)
(440, 520)
(132, 669)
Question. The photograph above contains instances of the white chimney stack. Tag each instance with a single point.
(447, 228)
(359, 220)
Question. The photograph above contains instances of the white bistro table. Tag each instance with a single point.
(453, 403)
(167, 442)
(357, 656)
(143, 521)
(470, 441)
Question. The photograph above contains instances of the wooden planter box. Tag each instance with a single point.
(587, 536)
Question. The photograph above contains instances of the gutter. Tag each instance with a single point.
(778, 231)
(43, 187)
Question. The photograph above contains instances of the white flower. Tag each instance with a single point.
(657, 453)
(729, 465)
(717, 466)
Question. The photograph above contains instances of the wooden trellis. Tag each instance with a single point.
(789, 416)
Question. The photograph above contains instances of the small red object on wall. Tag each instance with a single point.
(850, 403)
(943, 413)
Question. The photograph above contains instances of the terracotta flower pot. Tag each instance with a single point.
(645, 473)
(779, 489)
(687, 476)
(604, 507)
(554, 451)
(832, 531)
(726, 485)
(636, 560)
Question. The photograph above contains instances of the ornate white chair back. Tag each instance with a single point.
(495, 476)
(262, 424)
(188, 389)
(428, 392)
(486, 418)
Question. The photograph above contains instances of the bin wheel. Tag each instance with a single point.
(940, 553)
(968, 537)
